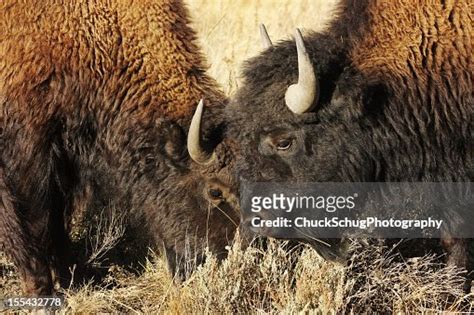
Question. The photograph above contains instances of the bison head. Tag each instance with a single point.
(297, 119)
(199, 203)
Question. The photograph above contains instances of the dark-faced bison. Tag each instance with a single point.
(385, 94)
(94, 98)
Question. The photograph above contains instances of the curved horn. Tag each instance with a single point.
(197, 153)
(300, 97)
(266, 41)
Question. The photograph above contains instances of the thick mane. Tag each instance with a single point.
(420, 55)
(425, 47)
(121, 48)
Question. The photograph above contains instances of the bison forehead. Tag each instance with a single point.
(257, 110)
(260, 105)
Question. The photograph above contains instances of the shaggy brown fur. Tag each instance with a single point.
(423, 52)
(94, 100)
(145, 53)
(428, 44)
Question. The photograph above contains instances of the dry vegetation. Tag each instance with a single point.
(274, 280)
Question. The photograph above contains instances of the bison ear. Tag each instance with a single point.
(301, 97)
(360, 94)
(175, 142)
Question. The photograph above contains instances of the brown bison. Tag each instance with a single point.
(385, 94)
(94, 98)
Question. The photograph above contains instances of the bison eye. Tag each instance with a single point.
(283, 144)
(215, 193)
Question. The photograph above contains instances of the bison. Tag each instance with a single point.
(95, 101)
(384, 94)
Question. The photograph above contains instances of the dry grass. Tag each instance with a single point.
(281, 281)
(104, 234)
(250, 281)
(274, 280)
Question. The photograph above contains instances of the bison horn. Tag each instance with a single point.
(266, 41)
(300, 97)
(197, 153)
